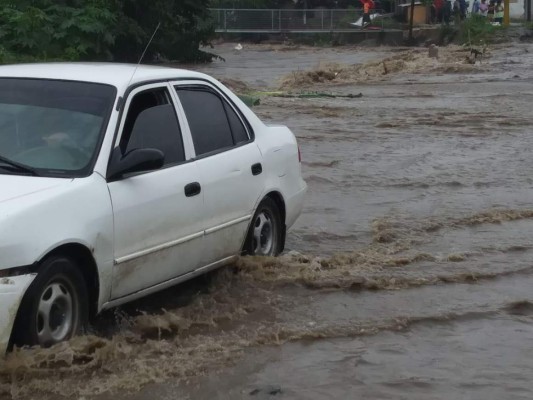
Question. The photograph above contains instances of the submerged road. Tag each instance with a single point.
(408, 276)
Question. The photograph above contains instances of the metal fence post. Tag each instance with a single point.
(322, 19)
(280, 21)
(272, 19)
(331, 21)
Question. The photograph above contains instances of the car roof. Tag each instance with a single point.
(118, 75)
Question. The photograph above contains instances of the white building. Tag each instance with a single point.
(517, 8)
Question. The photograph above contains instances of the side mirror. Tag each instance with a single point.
(137, 160)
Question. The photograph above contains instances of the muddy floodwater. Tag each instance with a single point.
(408, 276)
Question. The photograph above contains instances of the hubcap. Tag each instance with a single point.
(55, 314)
(263, 240)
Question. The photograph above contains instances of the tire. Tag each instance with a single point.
(266, 232)
(55, 307)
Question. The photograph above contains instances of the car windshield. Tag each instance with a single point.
(51, 127)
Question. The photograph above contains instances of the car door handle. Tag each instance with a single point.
(257, 169)
(193, 189)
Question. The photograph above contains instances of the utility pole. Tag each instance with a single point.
(506, 12)
(411, 22)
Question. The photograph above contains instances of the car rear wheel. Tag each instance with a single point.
(55, 307)
(265, 233)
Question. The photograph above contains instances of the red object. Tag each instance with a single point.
(369, 2)
(438, 4)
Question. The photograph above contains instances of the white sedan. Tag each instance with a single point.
(118, 182)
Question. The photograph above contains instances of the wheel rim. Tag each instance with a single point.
(56, 313)
(263, 238)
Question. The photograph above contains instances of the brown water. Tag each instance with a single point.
(408, 275)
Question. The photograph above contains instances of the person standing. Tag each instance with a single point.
(499, 11)
(437, 8)
(483, 8)
(492, 9)
(463, 7)
(456, 12)
(447, 11)
(475, 7)
(367, 6)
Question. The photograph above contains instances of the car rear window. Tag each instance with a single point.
(214, 124)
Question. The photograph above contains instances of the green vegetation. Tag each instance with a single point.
(476, 31)
(283, 3)
(103, 30)
(246, 4)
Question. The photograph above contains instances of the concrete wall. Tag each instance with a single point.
(517, 8)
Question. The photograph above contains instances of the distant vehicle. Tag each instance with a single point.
(118, 184)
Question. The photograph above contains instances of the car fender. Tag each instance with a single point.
(280, 151)
(282, 169)
(76, 213)
(12, 291)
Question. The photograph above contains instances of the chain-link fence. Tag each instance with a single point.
(273, 21)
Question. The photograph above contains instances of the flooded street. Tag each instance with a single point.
(409, 274)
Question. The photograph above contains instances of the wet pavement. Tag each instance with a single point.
(408, 275)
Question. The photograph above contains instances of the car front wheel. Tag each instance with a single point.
(265, 233)
(55, 307)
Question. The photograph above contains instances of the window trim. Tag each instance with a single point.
(208, 86)
(123, 100)
(195, 88)
(220, 92)
(225, 105)
(123, 114)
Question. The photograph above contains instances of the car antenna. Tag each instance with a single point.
(144, 52)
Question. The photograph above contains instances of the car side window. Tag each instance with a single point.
(152, 123)
(240, 135)
(213, 123)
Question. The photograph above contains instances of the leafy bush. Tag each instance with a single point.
(108, 30)
(48, 30)
(476, 30)
(185, 26)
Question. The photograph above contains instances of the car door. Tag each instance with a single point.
(230, 166)
(158, 215)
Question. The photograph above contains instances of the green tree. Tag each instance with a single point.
(115, 30)
(284, 3)
(185, 26)
(53, 29)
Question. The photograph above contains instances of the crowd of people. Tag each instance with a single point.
(446, 11)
